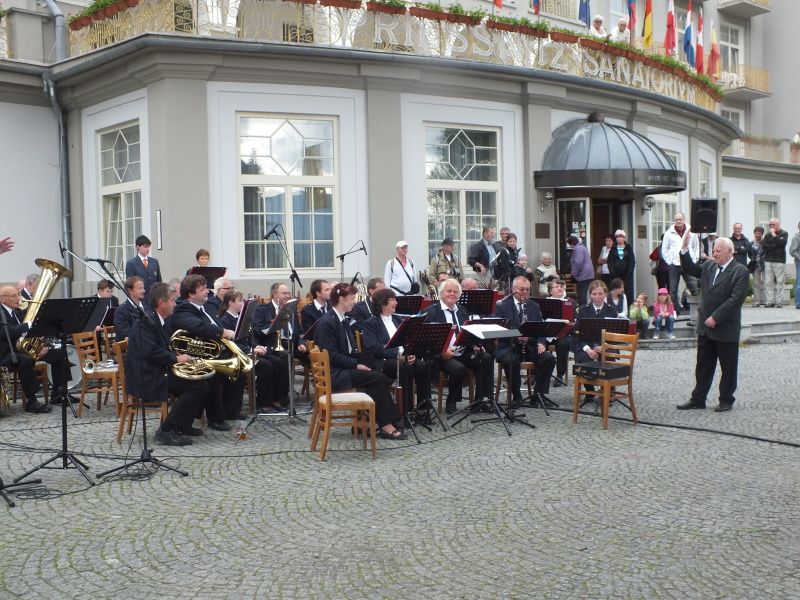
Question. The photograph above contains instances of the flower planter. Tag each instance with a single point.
(500, 26)
(98, 15)
(533, 32)
(561, 36)
(426, 13)
(351, 4)
(131, 3)
(463, 19)
(75, 25)
(121, 6)
(385, 8)
(302, 1)
(110, 11)
(592, 43)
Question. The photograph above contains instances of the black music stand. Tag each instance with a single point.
(210, 273)
(591, 330)
(469, 338)
(283, 317)
(425, 341)
(244, 333)
(556, 308)
(477, 302)
(62, 317)
(408, 305)
(545, 329)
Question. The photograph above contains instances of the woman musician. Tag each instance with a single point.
(378, 330)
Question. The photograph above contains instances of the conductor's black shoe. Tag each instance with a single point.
(723, 407)
(691, 405)
(450, 408)
(34, 406)
(219, 426)
(191, 431)
(171, 438)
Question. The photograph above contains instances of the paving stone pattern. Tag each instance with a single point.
(562, 511)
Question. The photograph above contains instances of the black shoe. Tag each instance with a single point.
(559, 382)
(191, 431)
(34, 406)
(450, 408)
(691, 405)
(723, 407)
(171, 438)
(237, 417)
(221, 426)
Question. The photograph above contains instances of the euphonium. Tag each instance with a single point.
(51, 273)
(206, 353)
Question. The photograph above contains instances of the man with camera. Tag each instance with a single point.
(446, 261)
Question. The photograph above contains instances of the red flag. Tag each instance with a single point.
(671, 37)
(698, 55)
(713, 56)
(632, 20)
(498, 3)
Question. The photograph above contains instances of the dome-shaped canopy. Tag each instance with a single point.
(591, 154)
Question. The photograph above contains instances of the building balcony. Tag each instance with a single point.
(776, 151)
(743, 9)
(565, 9)
(745, 83)
(350, 25)
(3, 37)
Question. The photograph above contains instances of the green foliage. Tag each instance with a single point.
(3, 12)
(435, 7)
(393, 3)
(456, 9)
(477, 13)
(539, 24)
(761, 140)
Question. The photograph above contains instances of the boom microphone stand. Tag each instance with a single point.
(352, 250)
(293, 276)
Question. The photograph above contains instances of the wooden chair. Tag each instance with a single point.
(621, 350)
(341, 409)
(105, 380)
(40, 371)
(130, 404)
(109, 337)
(443, 384)
(526, 366)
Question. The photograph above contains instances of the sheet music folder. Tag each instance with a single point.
(210, 273)
(592, 329)
(477, 302)
(59, 316)
(242, 331)
(418, 337)
(546, 329)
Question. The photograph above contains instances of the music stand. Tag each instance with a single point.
(591, 330)
(284, 316)
(62, 317)
(556, 308)
(477, 302)
(408, 305)
(467, 337)
(210, 273)
(545, 329)
(425, 341)
(243, 333)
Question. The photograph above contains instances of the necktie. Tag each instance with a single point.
(14, 316)
(520, 314)
(452, 312)
(719, 270)
(597, 311)
(144, 261)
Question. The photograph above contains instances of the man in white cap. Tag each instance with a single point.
(401, 274)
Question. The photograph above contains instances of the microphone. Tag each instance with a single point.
(272, 231)
(97, 260)
(61, 248)
(364, 248)
(355, 278)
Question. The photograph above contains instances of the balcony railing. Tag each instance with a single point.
(778, 151)
(566, 9)
(379, 28)
(744, 76)
(3, 38)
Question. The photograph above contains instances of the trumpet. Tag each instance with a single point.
(278, 346)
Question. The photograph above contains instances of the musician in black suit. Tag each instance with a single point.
(105, 291)
(365, 309)
(334, 334)
(378, 330)
(142, 265)
(29, 286)
(484, 251)
(456, 360)
(11, 329)
(320, 291)
(590, 349)
(271, 371)
(221, 287)
(128, 312)
(148, 371)
(517, 309)
(719, 321)
(197, 323)
(557, 289)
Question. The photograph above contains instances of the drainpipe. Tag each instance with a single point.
(61, 29)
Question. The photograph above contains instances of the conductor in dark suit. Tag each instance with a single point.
(517, 309)
(334, 334)
(148, 371)
(719, 321)
(142, 265)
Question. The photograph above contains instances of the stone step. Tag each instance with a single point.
(775, 327)
(774, 337)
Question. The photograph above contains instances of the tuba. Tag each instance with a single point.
(51, 273)
(207, 361)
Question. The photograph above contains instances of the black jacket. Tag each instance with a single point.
(507, 309)
(148, 361)
(309, 315)
(333, 335)
(376, 337)
(150, 275)
(195, 321)
(587, 312)
(14, 332)
(741, 249)
(362, 311)
(775, 246)
(124, 318)
(621, 267)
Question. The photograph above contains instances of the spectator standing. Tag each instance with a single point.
(400, 273)
(774, 244)
(620, 35)
(616, 298)
(659, 268)
(756, 267)
(597, 29)
(741, 245)
(602, 260)
(671, 252)
(581, 268)
(622, 263)
(794, 252)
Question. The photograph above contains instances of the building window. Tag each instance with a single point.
(730, 46)
(120, 190)
(287, 177)
(662, 215)
(766, 210)
(734, 116)
(462, 185)
(705, 179)
(618, 10)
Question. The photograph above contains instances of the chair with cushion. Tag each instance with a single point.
(341, 409)
(618, 350)
(130, 404)
(100, 380)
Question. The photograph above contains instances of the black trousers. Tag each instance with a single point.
(272, 381)
(456, 370)
(582, 290)
(416, 372)
(545, 363)
(708, 353)
(675, 272)
(376, 386)
(190, 397)
(562, 354)
(24, 370)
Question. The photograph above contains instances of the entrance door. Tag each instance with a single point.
(572, 220)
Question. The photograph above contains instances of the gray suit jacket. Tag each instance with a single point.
(723, 300)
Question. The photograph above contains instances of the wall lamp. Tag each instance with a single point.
(647, 204)
(547, 200)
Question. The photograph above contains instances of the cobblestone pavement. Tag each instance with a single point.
(562, 511)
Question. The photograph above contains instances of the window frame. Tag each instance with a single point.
(725, 47)
(662, 214)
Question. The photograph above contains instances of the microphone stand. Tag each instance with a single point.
(352, 250)
(293, 276)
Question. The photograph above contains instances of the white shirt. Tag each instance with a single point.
(397, 276)
(391, 328)
(319, 306)
(452, 318)
(341, 318)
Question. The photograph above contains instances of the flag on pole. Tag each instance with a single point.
(698, 53)
(713, 56)
(632, 20)
(583, 12)
(535, 6)
(498, 3)
(647, 28)
(671, 38)
(688, 45)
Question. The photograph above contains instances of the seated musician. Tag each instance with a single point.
(105, 291)
(588, 350)
(557, 289)
(378, 331)
(222, 286)
(455, 361)
(517, 309)
(128, 312)
(202, 258)
(271, 372)
(364, 310)
(222, 400)
(149, 376)
(334, 334)
(320, 294)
